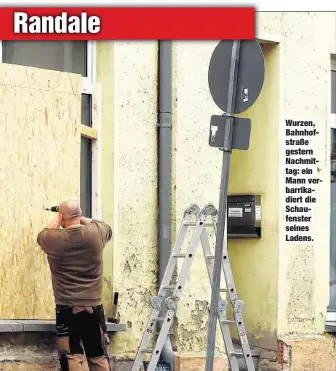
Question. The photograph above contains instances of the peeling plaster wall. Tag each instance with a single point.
(297, 69)
(135, 185)
(305, 48)
(196, 177)
(285, 287)
(39, 148)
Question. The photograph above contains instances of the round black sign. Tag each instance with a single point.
(251, 73)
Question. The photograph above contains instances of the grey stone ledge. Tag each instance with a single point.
(29, 325)
(331, 327)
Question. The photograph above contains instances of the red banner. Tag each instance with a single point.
(116, 23)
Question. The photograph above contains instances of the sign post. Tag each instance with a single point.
(236, 76)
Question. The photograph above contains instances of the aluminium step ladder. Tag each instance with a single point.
(169, 294)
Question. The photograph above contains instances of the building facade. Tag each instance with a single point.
(79, 119)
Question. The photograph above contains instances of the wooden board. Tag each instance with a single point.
(39, 167)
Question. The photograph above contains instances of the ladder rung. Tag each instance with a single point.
(148, 351)
(210, 257)
(179, 255)
(193, 224)
(227, 321)
(158, 318)
(169, 287)
(159, 332)
(238, 354)
(223, 290)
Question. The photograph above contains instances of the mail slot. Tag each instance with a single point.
(244, 216)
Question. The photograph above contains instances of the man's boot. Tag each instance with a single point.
(99, 364)
(69, 362)
(76, 362)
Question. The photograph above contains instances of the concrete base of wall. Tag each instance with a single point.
(18, 366)
(33, 353)
(313, 353)
(185, 362)
(48, 363)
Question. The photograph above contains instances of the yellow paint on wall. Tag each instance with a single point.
(39, 151)
(265, 270)
(196, 179)
(255, 261)
(305, 51)
(135, 186)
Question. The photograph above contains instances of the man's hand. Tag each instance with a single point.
(85, 221)
(55, 223)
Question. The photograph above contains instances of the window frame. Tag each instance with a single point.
(91, 132)
(87, 82)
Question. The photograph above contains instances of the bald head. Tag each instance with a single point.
(70, 210)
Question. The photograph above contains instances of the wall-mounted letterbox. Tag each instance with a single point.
(243, 216)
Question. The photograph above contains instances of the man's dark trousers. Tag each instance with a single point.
(80, 333)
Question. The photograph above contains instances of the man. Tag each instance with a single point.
(75, 255)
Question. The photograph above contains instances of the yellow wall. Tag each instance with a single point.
(135, 185)
(255, 261)
(39, 148)
(272, 276)
(286, 286)
(306, 42)
(195, 178)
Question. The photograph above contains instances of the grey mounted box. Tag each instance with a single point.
(243, 216)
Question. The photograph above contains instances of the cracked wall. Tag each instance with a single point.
(196, 177)
(39, 148)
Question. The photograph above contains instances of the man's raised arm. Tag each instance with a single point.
(104, 229)
(85, 221)
(44, 236)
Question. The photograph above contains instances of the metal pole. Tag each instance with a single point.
(222, 208)
(164, 169)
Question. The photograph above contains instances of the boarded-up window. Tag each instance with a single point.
(64, 56)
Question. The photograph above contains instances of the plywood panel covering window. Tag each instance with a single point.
(60, 122)
(65, 56)
(40, 164)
